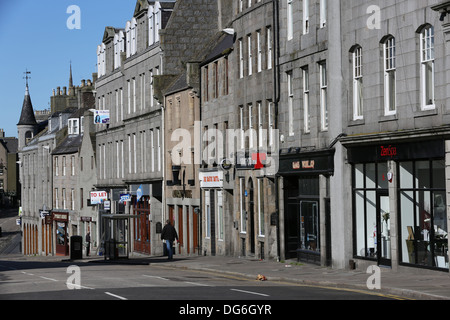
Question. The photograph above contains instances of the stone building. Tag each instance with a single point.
(396, 126)
(182, 196)
(40, 225)
(9, 171)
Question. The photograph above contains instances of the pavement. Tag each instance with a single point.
(407, 282)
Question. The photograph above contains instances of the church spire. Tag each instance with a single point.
(71, 91)
(27, 116)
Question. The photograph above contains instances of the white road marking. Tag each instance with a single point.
(250, 292)
(161, 278)
(199, 284)
(116, 296)
(45, 278)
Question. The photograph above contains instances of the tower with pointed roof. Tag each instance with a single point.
(27, 125)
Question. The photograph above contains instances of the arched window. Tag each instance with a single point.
(427, 56)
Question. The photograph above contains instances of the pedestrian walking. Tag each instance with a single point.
(88, 243)
(169, 234)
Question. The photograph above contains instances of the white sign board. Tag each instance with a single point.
(211, 179)
(101, 117)
(98, 197)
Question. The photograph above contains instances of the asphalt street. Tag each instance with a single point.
(97, 281)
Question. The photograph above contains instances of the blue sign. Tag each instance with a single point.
(139, 193)
(125, 197)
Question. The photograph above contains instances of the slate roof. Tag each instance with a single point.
(69, 145)
(27, 116)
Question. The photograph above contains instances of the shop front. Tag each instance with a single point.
(399, 203)
(61, 221)
(306, 205)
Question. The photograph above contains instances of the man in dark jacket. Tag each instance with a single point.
(169, 234)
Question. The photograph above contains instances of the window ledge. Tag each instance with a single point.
(389, 117)
(425, 113)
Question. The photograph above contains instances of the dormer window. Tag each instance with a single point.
(74, 126)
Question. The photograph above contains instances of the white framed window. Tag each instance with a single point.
(72, 164)
(128, 38)
(305, 16)
(158, 141)
(243, 215)
(261, 228)
(73, 126)
(152, 150)
(290, 103)
(157, 10)
(357, 84)
(220, 227)
(151, 26)
(130, 155)
(290, 20)
(323, 13)
(323, 96)
(64, 166)
(260, 124)
(250, 125)
(133, 36)
(134, 153)
(63, 196)
(270, 122)
(259, 53)
(129, 95)
(250, 54)
(241, 123)
(306, 113)
(427, 56)
(241, 59)
(269, 47)
(389, 76)
(56, 166)
(208, 214)
(56, 198)
(72, 199)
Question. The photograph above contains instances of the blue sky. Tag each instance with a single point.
(34, 36)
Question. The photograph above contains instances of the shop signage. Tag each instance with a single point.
(211, 179)
(61, 216)
(98, 197)
(404, 151)
(86, 219)
(307, 164)
(320, 162)
(125, 197)
(389, 151)
(43, 213)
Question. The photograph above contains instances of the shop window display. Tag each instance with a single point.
(423, 220)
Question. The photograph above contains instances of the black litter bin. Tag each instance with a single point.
(76, 247)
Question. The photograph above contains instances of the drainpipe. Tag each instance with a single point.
(276, 91)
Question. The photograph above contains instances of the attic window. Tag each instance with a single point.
(74, 126)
